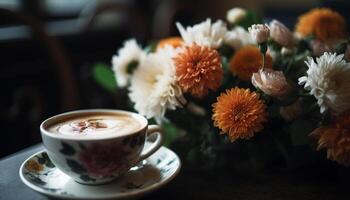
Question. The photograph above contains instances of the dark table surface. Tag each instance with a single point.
(196, 184)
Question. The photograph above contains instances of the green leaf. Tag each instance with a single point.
(194, 154)
(225, 64)
(41, 160)
(299, 132)
(226, 51)
(151, 47)
(250, 19)
(48, 162)
(67, 149)
(171, 133)
(37, 181)
(104, 76)
(75, 166)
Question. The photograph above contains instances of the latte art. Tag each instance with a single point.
(98, 125)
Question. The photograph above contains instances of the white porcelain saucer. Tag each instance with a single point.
(39, 173)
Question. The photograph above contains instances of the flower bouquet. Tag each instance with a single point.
(246, 90)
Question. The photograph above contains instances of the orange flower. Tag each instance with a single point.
(239, 113)
(33, 166)
(248, 60)
(172, 41)
(325, 24)
(336, 139)
(198, 70)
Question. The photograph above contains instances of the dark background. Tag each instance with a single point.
(49, 47)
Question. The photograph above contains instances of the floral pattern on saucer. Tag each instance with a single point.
(40, 174)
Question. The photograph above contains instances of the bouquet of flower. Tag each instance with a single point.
(244, 81)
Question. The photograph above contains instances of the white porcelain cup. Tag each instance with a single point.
(99, 160)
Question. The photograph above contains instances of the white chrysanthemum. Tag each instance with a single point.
(235, 15)
(328, 79)
(153, 86)
(238, 37)
(130, 52)
(204, 33)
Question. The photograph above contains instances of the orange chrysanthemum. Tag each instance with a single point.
(198, 70)
(336, 139)
(239, 113)
(172, 41)
(248, 60)
(325, 24)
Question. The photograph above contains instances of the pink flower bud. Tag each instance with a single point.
(271, 82)
(281, 34)
(259, 32)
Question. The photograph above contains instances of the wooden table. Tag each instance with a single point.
(193, 184)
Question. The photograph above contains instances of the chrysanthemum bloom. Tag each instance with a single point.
(281, 34)
(336, 139)
(238, 37)
(259, 32)
(328, 80)
(239, 113)
(129, 54)
(171, 41)
(235, 15)
(204, 34)
(198, 70)
(271, 82)
(153, 87)
(325, 24)
(248, 60)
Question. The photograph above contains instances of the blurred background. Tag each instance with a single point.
(49, 49)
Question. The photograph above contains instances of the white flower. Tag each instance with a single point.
(130, 52)
(236, 14)
(153, 86)
(281, 34)
(259, 32)
(328, 80)
(238, 37)
(204, 34)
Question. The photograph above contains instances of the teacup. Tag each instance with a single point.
(96, 159)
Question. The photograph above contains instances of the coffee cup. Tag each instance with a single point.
(99, 145)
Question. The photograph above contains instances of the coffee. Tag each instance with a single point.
(96, 125)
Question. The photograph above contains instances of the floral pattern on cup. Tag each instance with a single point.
(100, 160)
(104, 160)
(34, 166)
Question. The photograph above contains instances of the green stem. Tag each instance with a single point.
(263, 61)
(290, 63)
(263, 50)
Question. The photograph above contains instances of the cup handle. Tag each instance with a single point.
(153, 129)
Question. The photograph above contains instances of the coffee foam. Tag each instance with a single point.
(96, 125)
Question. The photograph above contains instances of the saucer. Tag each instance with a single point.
(41, 175)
